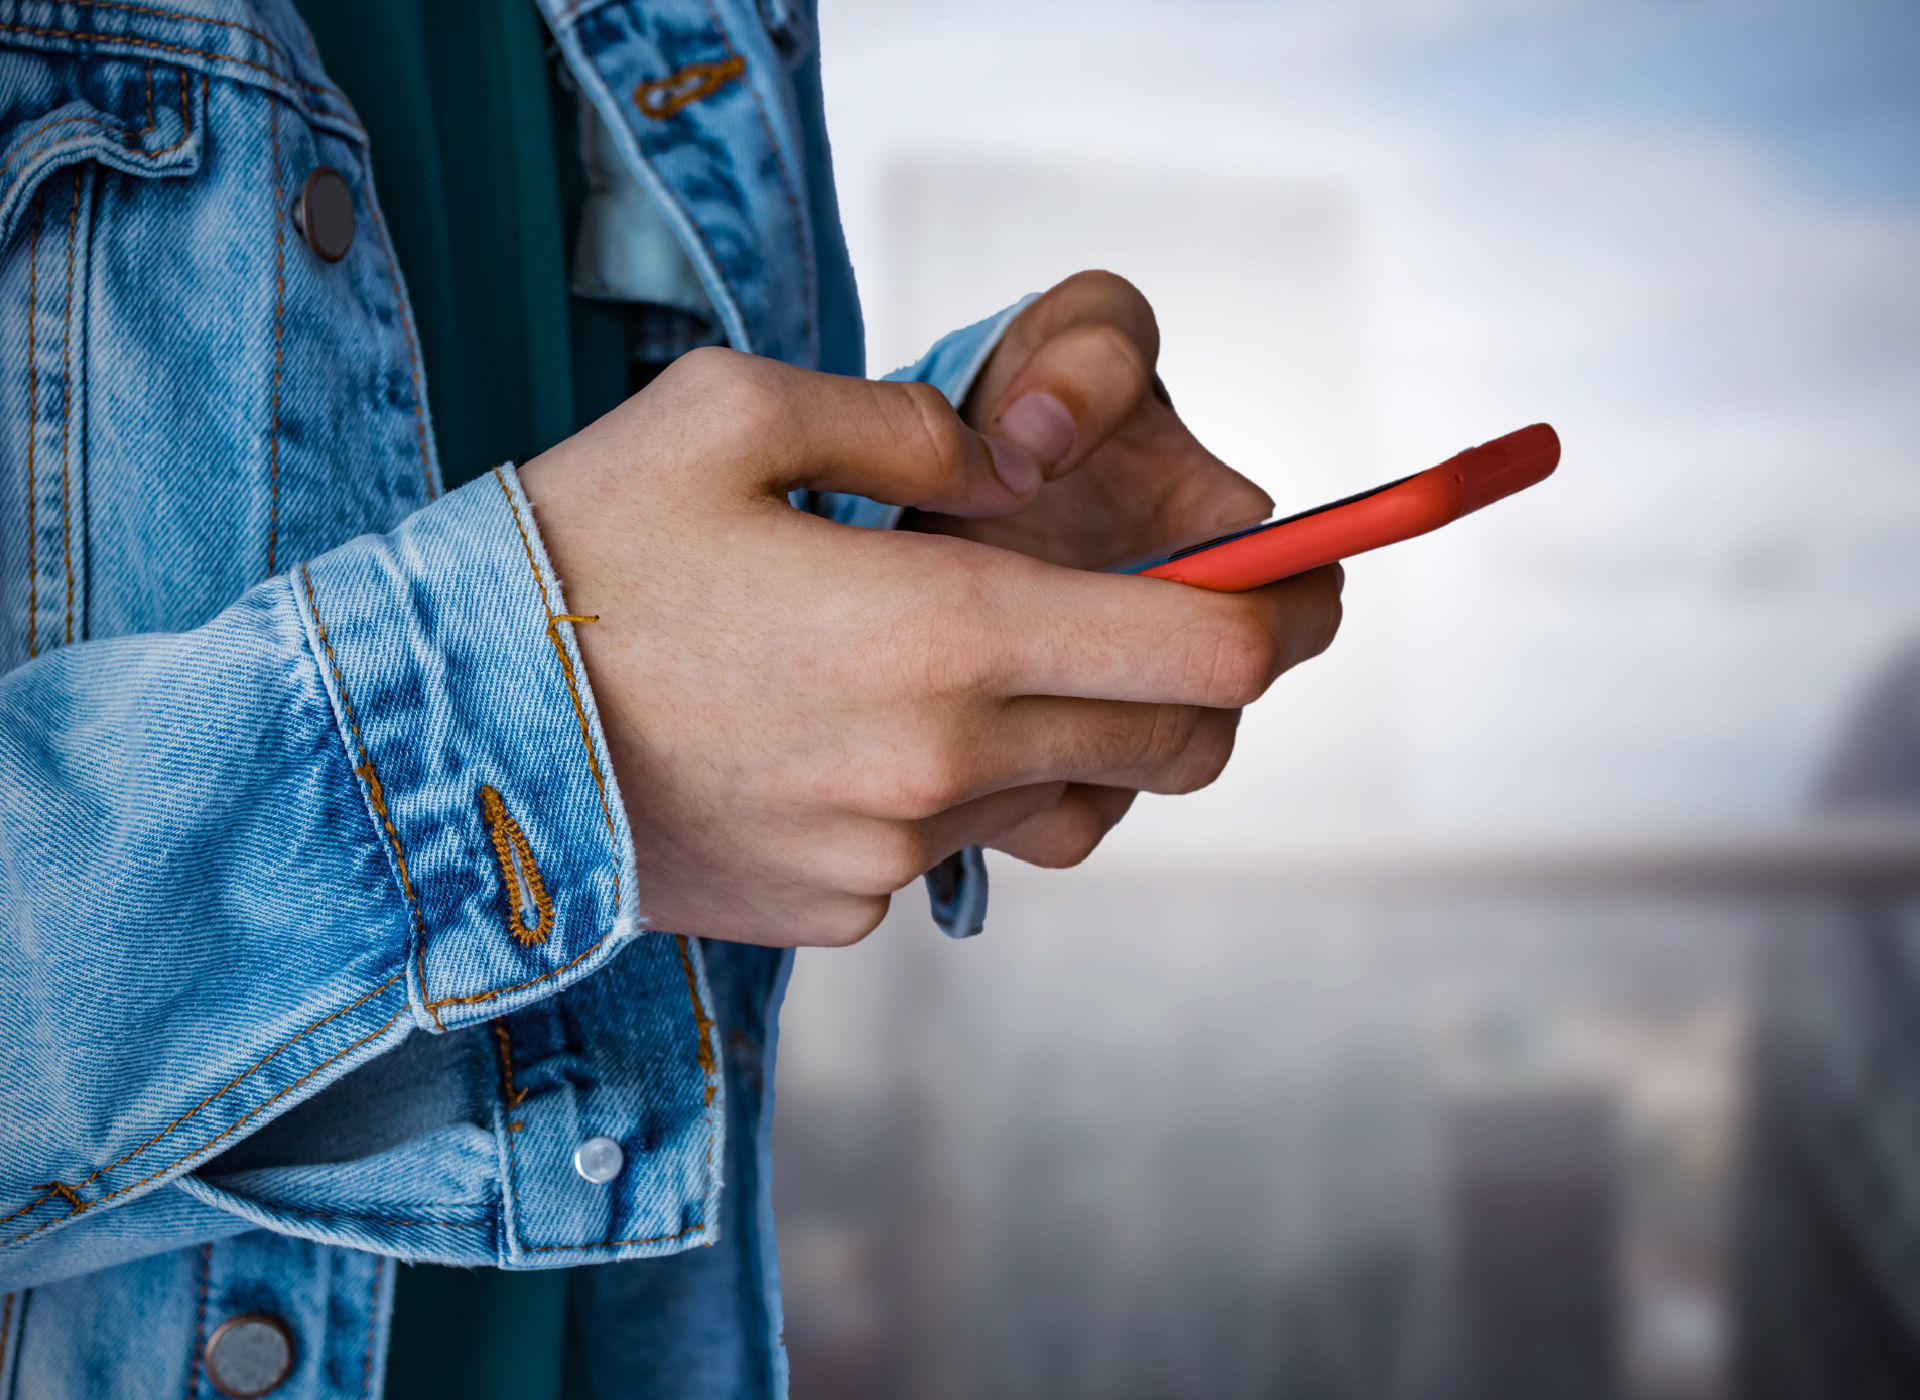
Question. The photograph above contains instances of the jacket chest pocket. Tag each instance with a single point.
(77, 134)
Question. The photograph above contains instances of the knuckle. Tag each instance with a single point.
(1204, 759)
(1071, 837)
(888, 856)
(1170, 729)
(935, 428)
(945, 650)
(1238, 658)
(706, 370)
(733, 387)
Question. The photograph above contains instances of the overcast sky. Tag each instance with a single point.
(1685, 232)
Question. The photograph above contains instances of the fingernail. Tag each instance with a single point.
(1015, 466)
(1040, 423)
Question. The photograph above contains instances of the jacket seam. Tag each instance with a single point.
(225, 1132)
(801, 231)
(703, 1024)
(379, 1266)
(25, 154)
(511, 1099)
(52, 1189)
(355, 1217)
(403, 309)
(139, 42)
(279, 323)
(366, 772)
(566, 665)
(66, 403)
(266, 41)
(609, 1244)
(33, 423)
(200, 1321)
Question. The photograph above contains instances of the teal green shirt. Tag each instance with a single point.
(473, 143)
(474, 161)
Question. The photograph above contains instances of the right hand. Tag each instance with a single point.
(804, 717)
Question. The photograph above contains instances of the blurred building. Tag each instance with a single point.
(1208, 1118)
(1830, 1277)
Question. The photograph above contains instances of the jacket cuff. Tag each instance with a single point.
(448, 654)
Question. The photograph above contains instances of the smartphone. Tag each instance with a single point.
(1413, 505)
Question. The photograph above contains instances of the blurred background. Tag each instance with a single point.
(1533, 1010)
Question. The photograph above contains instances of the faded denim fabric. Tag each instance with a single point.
(324, 942)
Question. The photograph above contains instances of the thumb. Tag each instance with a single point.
(1075, 391)
(902, 444)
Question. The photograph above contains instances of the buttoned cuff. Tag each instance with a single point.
(463, 707)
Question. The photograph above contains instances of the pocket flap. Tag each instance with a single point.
(168, 143)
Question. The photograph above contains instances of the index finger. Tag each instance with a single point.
(1119, 637)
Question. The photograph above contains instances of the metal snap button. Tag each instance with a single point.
(249, 1356)
(599, 1160)
(323, 213)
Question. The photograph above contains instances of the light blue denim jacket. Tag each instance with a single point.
(278, 720)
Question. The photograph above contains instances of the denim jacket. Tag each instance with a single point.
(321, 938)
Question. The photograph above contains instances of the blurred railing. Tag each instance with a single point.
(1387, 1120)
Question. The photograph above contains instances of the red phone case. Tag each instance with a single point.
(1386, 515)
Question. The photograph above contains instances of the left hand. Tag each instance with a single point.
(1073, 382)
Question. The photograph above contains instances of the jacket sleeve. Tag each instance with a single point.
(957, 887)
(371, 797)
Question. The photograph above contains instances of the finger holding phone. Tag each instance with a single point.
(804, 717)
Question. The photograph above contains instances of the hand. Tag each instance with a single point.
(803, 717)
(1073, 381)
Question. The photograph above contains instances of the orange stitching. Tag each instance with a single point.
(608, 1244)
(224, 1133)
(365, 772)
(517, 866)
(513, 1097)
(66, 405)
(23, 151)
(69, 119)
(61, 1189)
(186, 119)
(279, 320)
(135, 41)
(478, 998)
(267, 41)
(224, 1089)
(403, 307)
(566, 662)
(46, 1194)
(553, 635)
(662, 97)
(33, 426)
(702, 1022)
(6, 1331)
(504, 1045)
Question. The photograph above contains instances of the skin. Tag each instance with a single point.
(804, 717)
